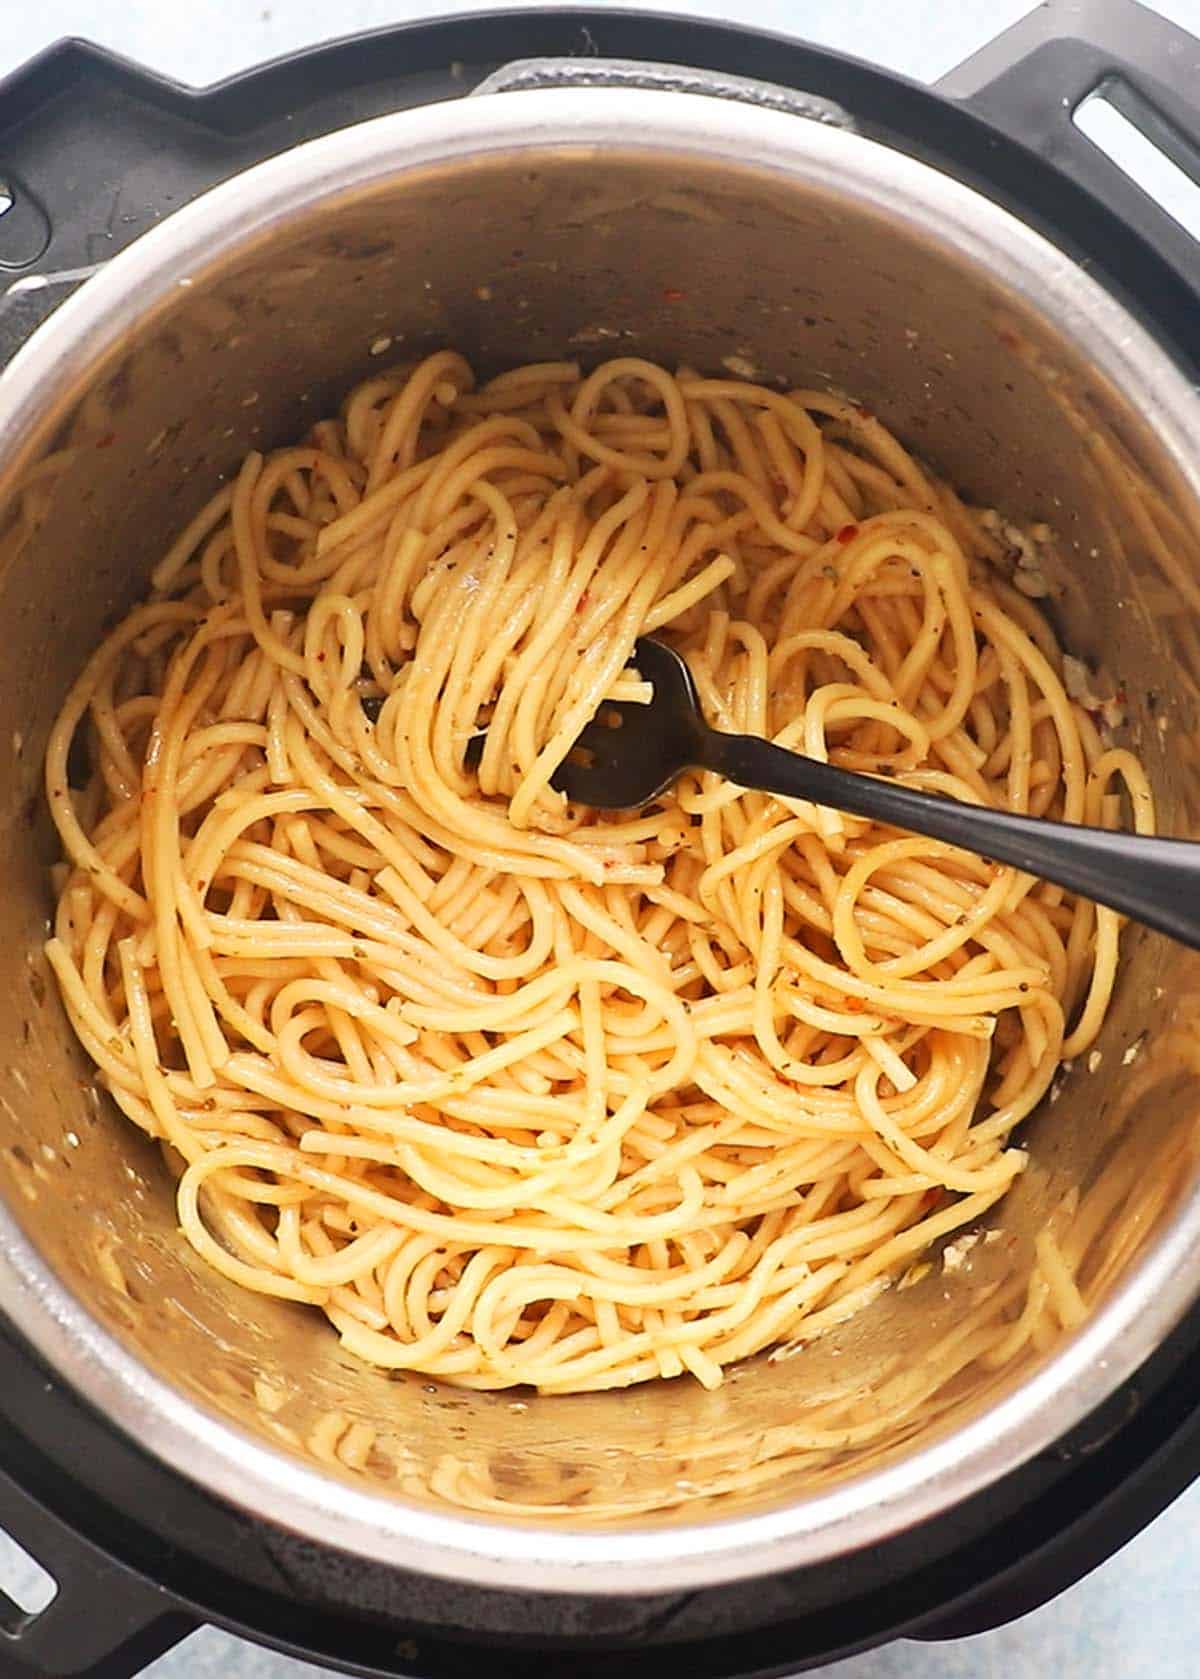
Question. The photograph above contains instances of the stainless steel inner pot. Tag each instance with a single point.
(519, 226)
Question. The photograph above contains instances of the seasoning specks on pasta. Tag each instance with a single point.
(514, 1091)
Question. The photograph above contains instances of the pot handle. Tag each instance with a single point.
(525, 74)
(1032, 81)
(104, 1622)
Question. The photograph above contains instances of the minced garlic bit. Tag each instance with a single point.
(1113, 713)
(1094, 1060)
(1134, 1050)
(1077, 680)
(740, 365)
(1026, 549)
(954, 1253)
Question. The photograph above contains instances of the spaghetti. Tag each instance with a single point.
(519, 1092)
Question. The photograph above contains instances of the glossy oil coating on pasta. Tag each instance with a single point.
(517, 1092)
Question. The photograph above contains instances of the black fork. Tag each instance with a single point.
(630, 753)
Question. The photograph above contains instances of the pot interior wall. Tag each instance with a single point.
(517, 259)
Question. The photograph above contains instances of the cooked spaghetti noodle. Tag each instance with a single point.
(519, 1092)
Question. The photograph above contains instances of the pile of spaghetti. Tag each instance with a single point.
(521, 1092)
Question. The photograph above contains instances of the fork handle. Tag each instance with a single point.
(1156, 881)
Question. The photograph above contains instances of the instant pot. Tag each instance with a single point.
(593, 182)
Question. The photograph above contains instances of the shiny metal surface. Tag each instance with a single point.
(514, 227)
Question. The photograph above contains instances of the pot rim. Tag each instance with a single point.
(268, 1483)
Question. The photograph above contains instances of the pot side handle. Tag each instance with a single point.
(95, 150)
(1032, 80)
(104, 1622)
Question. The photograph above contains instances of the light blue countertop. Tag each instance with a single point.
(1137, 1615)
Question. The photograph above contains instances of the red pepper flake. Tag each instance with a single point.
(854, 1005)
(107, 441)
(672, 294)
(582, 601)
(1008, 339)
(847, 533)
(320, 658)
(866, 414)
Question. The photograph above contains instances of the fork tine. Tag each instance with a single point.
(582, 783)
(599, 739)
(603, 789)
